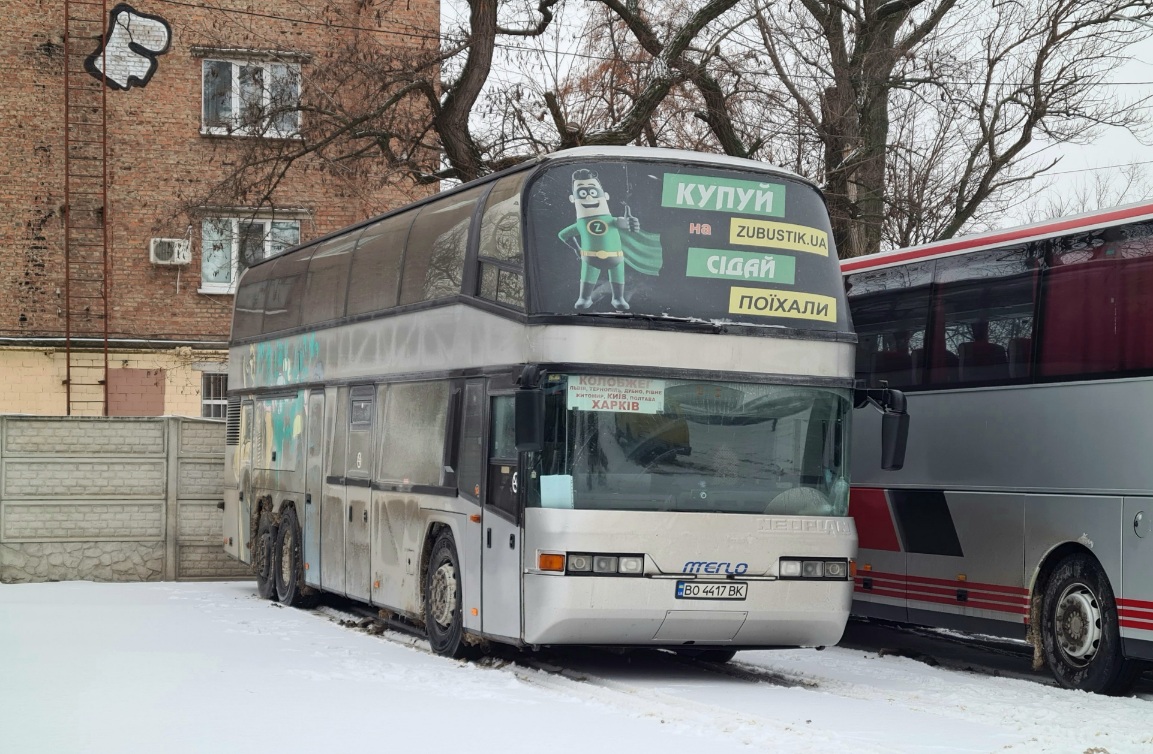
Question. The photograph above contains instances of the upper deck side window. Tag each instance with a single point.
(435, 252)
(500, 255)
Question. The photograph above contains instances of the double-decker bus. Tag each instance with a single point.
(602, 398)
(1024, 505)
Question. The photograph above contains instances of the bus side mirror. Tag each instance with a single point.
(894, 437)
(529, 420)
(894, 422)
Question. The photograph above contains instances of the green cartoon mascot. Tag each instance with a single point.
(604, 242)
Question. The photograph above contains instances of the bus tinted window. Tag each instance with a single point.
(328, 279)
(891, 314)
(412, 444)
(1098, 292)
(284, 301)
(501, 253)
(682, 240)
(984, 311)
(375, 281)
(434, 255)
(471, 440)
(248, 313)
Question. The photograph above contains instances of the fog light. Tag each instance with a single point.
(605, 564)
(812, 569)
(632, 565)
(835, 569)
(790, 569)
(580, 563)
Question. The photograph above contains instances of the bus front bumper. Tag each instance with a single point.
(632, 611)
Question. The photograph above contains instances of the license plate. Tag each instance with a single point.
(712, 590)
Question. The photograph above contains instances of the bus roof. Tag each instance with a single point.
(669, 155)
(990, 239)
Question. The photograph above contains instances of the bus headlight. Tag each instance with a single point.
(632, 565)
(812, 569)
(604, 564)
(790, 569)
(835, 569)
(580, 563)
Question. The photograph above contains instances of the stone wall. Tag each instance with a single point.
(111, 499)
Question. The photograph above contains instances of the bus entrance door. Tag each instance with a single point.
(501, 548)
(313, 485)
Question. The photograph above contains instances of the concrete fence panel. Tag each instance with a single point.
(111, 499)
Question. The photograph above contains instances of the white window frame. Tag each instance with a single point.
(235, 127)
(218, 403)
(271, 246)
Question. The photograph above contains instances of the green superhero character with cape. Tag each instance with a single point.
(604, 242)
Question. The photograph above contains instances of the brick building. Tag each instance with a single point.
(119, 252)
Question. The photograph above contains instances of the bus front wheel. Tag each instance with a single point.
(287, 570)
(262, 556)
(1079, 634)
(442, 598)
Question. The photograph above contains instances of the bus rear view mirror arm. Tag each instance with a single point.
(894, 422)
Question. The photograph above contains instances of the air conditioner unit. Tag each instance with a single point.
(169, 251)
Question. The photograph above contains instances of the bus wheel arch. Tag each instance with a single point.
(441, 590)
(287, 562)
(1073, 623)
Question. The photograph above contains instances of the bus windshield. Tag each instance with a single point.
(617, 443)
(663, 240)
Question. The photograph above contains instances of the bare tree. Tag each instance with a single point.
(930, 111)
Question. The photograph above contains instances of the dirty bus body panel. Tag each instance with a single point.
(679, 319)
(1024, 504)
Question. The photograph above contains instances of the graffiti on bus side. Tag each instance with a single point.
(283, 362)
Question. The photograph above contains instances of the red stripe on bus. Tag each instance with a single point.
(875, 529)
(993, 239)
(1010, 599)
(1128, 612)
(1140, 625)
(1139, 604)
(881, 579)
(971, 585)
(971, 605)
(881, 593)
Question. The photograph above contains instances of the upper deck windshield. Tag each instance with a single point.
(615, 443)
(653, 239)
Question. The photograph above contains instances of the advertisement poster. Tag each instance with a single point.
(685, 242)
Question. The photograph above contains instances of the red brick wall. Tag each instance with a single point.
(158, 161)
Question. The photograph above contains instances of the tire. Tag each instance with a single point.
(1080, 639)
(262, 556)
(442, 599)
(287, 566)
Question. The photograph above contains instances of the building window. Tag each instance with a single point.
(251, 98)
(214, 395)
(229, 244)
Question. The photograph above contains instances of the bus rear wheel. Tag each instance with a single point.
(1080, 638)
(442, 598)
(287, 570)
(262, 555)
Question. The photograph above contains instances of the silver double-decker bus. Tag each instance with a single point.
(602, 398)
(1025, 503)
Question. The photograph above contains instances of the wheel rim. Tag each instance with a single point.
(442, 594)
(1078, 624)
(286, 559)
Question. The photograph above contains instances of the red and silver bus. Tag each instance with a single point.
(1024, 505)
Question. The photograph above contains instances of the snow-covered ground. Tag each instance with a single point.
(179, 668)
